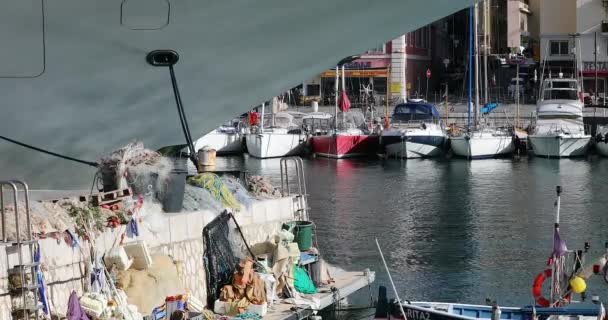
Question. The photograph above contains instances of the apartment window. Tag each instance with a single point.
(559, 47)
(418, 38)
(313, 89)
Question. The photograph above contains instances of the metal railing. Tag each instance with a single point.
(24, 266)
(299, 189)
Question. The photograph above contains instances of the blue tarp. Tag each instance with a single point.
(415, 111)
(488, 107)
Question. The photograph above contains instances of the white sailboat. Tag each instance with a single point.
(277, 136)
(227, 139)
(483, 144)
(559, 130)
(480, 142)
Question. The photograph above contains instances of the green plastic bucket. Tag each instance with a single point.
(302, 232)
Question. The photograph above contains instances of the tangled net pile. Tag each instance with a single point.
(238, 190)
(261, 187)
(52, 219)
(219, 191)
(137, 167)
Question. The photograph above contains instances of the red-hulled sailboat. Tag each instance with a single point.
(350, 137)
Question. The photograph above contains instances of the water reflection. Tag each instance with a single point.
(453, 230)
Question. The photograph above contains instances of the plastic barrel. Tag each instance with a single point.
(303, 234)
(173, 197)
(109, 180)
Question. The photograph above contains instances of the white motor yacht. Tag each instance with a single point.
(415, 131)
(559, 130)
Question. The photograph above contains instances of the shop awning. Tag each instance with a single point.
(357, 73)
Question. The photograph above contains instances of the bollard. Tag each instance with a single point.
(206, 158)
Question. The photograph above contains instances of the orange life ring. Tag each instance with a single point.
(537, 288)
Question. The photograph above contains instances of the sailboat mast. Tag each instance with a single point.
(476, 65)
(486, 40)
(336, 98)
(470, 75)
(262, 121)
(343, 80)
(403, 68)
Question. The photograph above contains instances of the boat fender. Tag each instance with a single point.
(253, 118)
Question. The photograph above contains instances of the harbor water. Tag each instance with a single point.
(454, 231)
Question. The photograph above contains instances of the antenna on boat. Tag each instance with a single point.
(391, 280)
(542, 73)
(559, 249)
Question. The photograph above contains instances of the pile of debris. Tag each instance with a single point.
(262, 188)
(135, 167)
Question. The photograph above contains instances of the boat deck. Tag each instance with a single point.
(346, 284)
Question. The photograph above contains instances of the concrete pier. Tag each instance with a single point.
(176, 234)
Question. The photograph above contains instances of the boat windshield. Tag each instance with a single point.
(415, 111)
(558, 116)
(281, 120)
(560, 94)
(560, 89)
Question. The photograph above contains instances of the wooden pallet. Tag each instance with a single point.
(101, 198)
(110, 196)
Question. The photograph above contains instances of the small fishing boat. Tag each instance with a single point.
(227, 139)
(415, 131)
(456, 311)
(566, 272)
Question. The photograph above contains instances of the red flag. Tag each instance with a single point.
(344, 103)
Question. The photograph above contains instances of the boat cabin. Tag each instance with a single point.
(415, 111)
(560, 89)
(317, 123)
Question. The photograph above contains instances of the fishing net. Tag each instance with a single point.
(196, 199)
(238, 190)
(136, 167)
(52, 218)
(219, 191)
(219, 256)
(261, 187)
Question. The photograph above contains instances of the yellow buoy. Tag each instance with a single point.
(578, 285)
